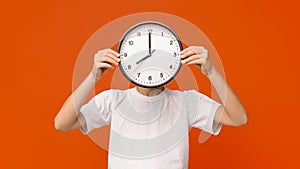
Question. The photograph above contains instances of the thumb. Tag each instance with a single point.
(203, 69)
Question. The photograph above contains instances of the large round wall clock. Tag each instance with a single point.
(150, 54)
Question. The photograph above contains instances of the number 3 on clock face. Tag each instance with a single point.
(150, 54)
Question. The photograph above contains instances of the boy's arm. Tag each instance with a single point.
(232, 112)
(69, 116)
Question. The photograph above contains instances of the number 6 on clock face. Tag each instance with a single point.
(150, 54)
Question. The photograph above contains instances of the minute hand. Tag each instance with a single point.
(145, 57)
(149, 43)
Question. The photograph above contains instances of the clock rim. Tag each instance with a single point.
(121, 42)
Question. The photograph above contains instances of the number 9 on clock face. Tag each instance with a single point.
(150, 54)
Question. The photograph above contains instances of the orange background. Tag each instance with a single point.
(257, 42)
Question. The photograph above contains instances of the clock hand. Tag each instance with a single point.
(145, 57)
(141, 61)
(149, 35)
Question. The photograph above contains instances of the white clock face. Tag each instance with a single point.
(150, 54)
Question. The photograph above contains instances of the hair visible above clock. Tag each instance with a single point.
(150, 54)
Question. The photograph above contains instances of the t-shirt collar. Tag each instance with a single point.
(140, 96)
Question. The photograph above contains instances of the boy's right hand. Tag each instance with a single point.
(103, 60)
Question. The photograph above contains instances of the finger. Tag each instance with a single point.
(187, 53)
(114, 52)
(105, 65)
(195, 49)
(108, 60)
(199, 63)
(112, 56)
(196, 62)
(100, 54)
(201, 56)
(103, 51)
(185, 50)
(193, 57)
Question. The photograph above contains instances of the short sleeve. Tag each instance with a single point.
(201, 111)
(97, 112)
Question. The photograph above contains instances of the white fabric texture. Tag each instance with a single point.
(150, 132)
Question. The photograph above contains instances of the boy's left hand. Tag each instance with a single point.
(198, 56)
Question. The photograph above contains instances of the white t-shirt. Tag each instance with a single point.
(150, 132)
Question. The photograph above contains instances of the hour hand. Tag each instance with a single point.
(144, 58)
